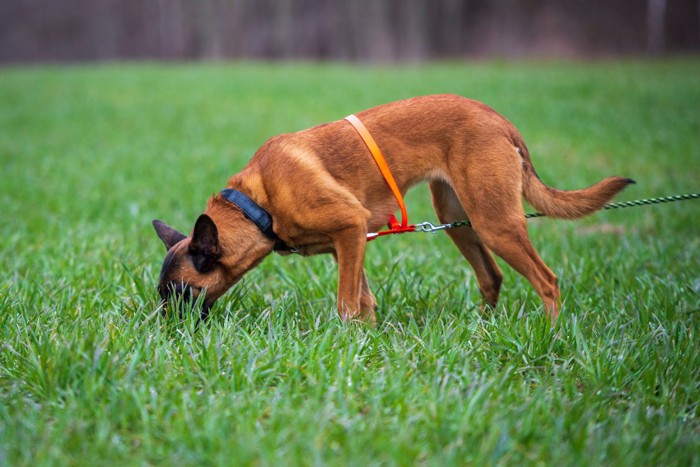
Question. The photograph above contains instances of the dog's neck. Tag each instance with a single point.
(242, 244)
(257, 215)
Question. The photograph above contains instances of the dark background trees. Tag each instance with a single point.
(358, 30)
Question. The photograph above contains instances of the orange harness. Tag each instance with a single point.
(394, 226)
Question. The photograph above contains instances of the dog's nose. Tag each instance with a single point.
(182, 297)
(183, 290)
(176, 290)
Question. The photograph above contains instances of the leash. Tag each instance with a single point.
(432, 228)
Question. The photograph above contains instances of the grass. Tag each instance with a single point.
(91, 374)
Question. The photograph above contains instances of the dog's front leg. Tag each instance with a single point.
(350, 253)
(368, 304)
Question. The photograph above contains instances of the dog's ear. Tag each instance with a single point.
(166, 233)
(204, 246)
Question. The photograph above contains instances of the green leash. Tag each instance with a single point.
(429, 227)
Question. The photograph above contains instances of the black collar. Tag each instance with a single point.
(257, 215)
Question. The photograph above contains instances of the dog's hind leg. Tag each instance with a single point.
(496, 213)
(510, 241)
(449, 209)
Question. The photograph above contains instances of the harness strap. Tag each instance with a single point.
(394, 226)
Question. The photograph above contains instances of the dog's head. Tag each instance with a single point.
(192, 270)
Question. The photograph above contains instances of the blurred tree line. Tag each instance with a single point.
(360, 30)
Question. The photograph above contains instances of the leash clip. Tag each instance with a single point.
(429, 227)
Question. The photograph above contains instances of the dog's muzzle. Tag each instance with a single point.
(183, 297)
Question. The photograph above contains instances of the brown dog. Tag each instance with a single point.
(320, 191)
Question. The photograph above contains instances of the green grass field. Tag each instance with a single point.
(90, 373)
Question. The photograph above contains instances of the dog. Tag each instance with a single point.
(319, 191)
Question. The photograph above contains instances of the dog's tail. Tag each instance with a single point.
(570, 204)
